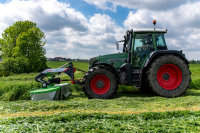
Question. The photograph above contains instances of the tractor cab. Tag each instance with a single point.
(139, 43)
(144, 38)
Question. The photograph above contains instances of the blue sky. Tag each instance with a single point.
(88, 28)
(3, 1)
(89, 10)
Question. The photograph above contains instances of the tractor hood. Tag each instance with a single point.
(116, 60)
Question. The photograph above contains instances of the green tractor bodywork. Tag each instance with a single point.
(144, 62)
(116, 60)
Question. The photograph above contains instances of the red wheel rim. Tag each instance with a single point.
(100, 84)
(169, 76)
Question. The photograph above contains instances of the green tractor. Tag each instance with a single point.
(145, 62)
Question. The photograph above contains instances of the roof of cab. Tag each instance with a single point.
(146, 30)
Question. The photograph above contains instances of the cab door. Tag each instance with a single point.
(143, 46)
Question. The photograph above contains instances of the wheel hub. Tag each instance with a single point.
(100, 84)
(166, 76)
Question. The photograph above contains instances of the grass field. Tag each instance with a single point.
(129, 111)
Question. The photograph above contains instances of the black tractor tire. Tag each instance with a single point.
(99, 83)
(169, 76)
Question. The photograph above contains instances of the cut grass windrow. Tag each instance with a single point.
(176, 121)
(54, 112)
(132, 102)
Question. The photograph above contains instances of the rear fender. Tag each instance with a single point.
(155, 54)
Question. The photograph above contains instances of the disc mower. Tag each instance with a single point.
(51, 87)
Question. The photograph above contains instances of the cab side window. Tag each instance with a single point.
(143, 45)
(160, 42)
(143, 41)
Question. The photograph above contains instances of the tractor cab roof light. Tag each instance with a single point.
(154, 23)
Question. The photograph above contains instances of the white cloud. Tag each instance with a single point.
(97, 40)
(138, 4)
(68, 32)
(48, 14)
(102, 4)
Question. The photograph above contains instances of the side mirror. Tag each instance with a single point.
(117, 45)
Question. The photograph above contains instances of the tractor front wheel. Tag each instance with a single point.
(99, 83)
(169, 76)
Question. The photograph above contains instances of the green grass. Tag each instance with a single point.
(132, 112)
(182, 121)
(123, 103)
(17, 87)
(129, 111)
(195, 69)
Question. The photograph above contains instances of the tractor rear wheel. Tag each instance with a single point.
(169, 76)
(99, 83)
